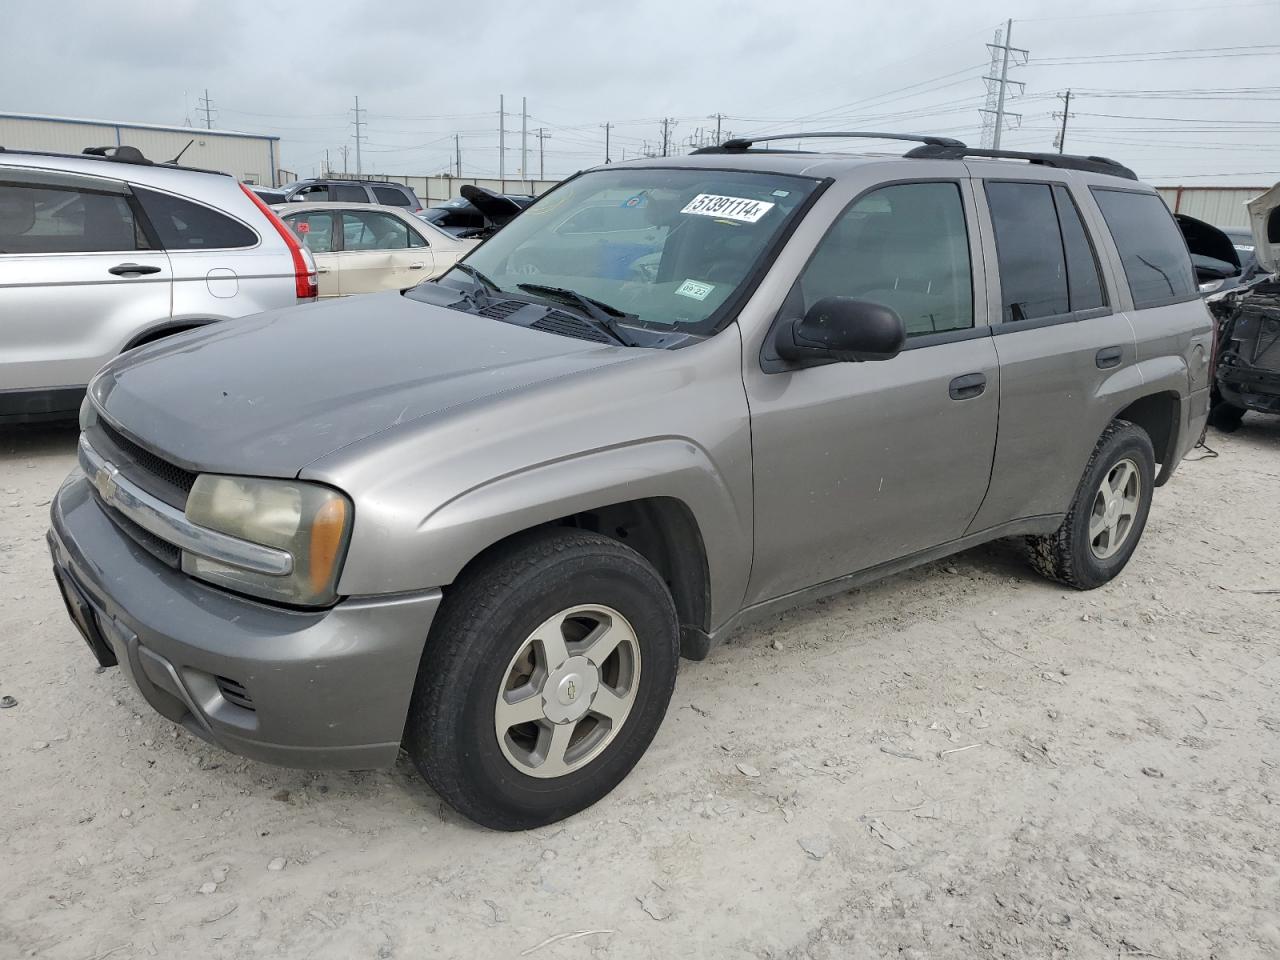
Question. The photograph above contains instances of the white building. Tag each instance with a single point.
(246, 156)
(1220, 206)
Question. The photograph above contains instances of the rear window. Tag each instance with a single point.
(392, 196)
(1156, 263)
(183, 225)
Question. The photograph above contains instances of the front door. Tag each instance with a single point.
(857, 464)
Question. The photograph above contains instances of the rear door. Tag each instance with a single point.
(79, 276)
(1061, 341)
(380, 252)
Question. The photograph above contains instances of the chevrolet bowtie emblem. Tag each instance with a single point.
(572, 691)
(104, 481)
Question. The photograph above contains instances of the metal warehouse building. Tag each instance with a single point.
(1220, 206)
(246, 156)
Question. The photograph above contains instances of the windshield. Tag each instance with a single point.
(669, 247)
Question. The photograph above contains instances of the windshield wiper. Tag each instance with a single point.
(485, 283)
(604, 315)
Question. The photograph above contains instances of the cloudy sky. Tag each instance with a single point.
(1185, 93)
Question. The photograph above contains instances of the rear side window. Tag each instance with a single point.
(183, 225)
(392, 196)
(37, 219)
(348, 193)
(315, 228)
(1047, 266)
(1155, 258)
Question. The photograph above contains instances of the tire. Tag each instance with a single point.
(493, 627)
(1226, 417)
(1070, 554)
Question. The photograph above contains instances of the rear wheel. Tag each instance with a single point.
(1108, 515)
(544, 679)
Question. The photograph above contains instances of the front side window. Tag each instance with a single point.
(316, 193)
(183, 225)
(905, 246)
(314, 228)
(38, 219)
(373, 231)
(675, 246)
(1154, 255)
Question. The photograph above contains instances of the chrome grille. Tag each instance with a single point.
(151, 472)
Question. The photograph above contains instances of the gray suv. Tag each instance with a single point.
(105, 251)
(484, 519)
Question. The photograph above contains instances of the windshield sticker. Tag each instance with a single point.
(695, 289)
(782, 193)
(639, 200)
(727, 208)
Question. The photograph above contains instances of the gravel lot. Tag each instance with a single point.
(961, 761)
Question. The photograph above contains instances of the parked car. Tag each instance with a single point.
(483, 519)
(103, 252)
(320, 190)
(1247, 368)
(364, 248)
(269, 195)
(461, 217)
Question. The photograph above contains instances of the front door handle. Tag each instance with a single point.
(969, 386)
(1109, 357)
(133, 269)
(417, 265)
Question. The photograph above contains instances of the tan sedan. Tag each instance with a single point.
(367, 247)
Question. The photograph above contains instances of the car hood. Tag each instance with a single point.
(268, 394)
(1264, 218)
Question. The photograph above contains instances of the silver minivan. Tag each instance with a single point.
(487, 527)
(102, 252)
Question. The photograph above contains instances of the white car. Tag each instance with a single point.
(367, 247)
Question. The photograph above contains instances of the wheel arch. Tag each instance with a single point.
(166, 328)
(1159, 415)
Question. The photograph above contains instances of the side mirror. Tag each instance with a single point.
(841, 328)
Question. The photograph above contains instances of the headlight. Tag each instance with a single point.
(1211, 285)
(312, 523)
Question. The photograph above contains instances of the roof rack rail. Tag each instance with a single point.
(121, 154)
(1062, 161)
(741, 144)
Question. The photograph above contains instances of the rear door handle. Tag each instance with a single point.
(969, 386)
(1109, 357)
(133, 269)
(417, 265)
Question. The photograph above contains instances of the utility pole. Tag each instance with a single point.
(502, 137)
(345, 151)
(1003, 55)
(524, 138)
(359, 137)
(457, 151)
(327, 167)
(1066, 112)
(667, 124)
(719, 117)
(207, 109)
(607, 127)
(542, 164)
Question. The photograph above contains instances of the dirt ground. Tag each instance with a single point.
(961, 761)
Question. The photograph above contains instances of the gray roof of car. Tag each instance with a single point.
(834, 165)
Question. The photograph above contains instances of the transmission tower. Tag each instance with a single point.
(995, 118)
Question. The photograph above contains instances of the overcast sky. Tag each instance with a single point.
(1187, 93)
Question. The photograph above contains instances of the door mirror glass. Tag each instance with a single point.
(842, 328)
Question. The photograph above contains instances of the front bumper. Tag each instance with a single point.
(315, 689)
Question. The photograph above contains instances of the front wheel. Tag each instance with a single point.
(544, 679)
(1108, 514)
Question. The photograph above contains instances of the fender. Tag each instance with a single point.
(166, 327)
(452, 534)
